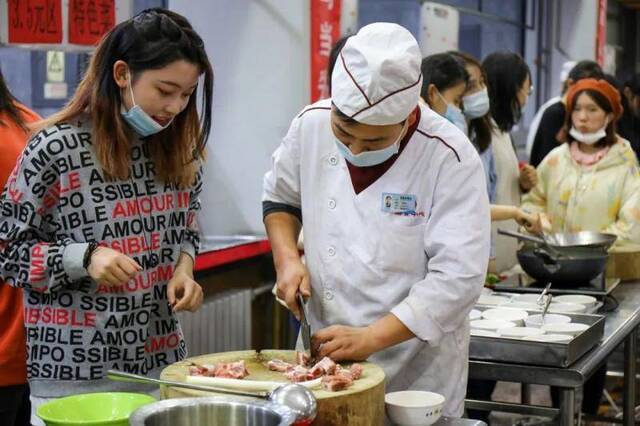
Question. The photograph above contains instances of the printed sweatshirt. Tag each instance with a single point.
(56, 201)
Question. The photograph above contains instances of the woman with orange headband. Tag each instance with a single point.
(591, 182)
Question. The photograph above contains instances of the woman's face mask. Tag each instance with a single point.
(589, 138)
(476, 105)
(139, 120)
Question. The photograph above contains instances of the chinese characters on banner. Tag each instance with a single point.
(90, 19)
(325, 31)
(34, 21)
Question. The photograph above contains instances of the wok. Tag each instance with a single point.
(569, 244)
(563, 272)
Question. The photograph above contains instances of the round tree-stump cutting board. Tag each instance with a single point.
(360, 404)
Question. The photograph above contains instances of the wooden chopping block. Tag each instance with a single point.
(623, 264)
(362, 404)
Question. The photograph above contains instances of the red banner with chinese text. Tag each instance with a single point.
(601, 33)
(325, 31)
(34, 21)
(89, 20)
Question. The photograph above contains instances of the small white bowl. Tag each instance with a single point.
(536, 320)
(491, 325)
(520, 332)
(529, 306)
(516, 316)
(414, 408)
(492, 300)
(582, 299)
(475, 315)
(568, 308)
(551, 338)
(483, 333)
(572, 328)
(529, 297)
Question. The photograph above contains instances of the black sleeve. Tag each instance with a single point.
(545, 139)
(269, 207)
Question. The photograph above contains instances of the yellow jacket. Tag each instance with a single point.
(604, 198)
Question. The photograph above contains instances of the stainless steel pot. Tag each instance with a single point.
(212, 411)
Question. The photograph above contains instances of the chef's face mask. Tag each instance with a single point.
(454, 115)
(371, 158)
(139, 120)
(589, 138)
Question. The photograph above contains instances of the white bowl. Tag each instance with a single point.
(414, 408)
(516, 316)
(582, 299)
(567, 307)
(475, 315)
(492, 300)
(529, 297)
(520, 332)
(491, 325)
(551, 338)
(483, 333)
(572, 328)
(529, 306)
(536, 320)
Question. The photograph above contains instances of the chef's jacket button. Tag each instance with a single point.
(331, 250)
(328, 295)
(332, 203)
(333, 161)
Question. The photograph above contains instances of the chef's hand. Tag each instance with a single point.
(293, 277)
(340, 342)
(531, 222)
(110, 267)
(528, 177)
(184, 293)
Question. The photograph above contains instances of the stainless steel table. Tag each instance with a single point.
(447, 421)
(619, 328)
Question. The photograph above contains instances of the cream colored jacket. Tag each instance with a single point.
(604, 198)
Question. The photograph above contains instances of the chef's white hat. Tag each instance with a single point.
(377, 78)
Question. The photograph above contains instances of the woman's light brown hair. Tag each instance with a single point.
(151, 40)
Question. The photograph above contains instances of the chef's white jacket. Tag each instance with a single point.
(427, 268)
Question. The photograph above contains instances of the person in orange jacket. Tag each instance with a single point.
(15, 408)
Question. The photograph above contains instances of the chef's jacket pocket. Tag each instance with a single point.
(401, 246)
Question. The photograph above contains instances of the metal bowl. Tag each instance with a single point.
(592, 239)
(212, 411)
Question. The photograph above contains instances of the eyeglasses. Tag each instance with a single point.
(528, 92)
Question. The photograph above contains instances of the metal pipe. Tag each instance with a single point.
(509, 407)
(629, 403)
(567, 407)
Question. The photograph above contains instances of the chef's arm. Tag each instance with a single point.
(388, 331)
(283, 229)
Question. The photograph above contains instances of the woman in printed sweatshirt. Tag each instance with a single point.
(98, 219)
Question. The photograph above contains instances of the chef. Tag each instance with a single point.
(396, 219)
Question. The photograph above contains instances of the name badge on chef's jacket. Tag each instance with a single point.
(399, 203)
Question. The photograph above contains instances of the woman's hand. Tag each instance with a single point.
(112, 268)
(528, 177)
(184, 293)
(530, 222)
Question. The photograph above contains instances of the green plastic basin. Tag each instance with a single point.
(93, 409)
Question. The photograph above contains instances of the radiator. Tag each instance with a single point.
(223, 323)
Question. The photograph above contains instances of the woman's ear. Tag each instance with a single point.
(120, 73)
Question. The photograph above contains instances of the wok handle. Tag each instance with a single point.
(522, 236)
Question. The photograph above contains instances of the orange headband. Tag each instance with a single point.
(601, 86)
